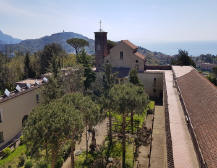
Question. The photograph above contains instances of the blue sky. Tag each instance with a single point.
(140, 21)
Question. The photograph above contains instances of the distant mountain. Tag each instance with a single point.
(7, 39)
(34, 45)
(155, 58)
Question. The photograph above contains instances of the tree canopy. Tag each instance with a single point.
(50, 126)
(183, 59)
(78, 44)
(133, 78)
(28, 71)
(51, 52)
(125, 98)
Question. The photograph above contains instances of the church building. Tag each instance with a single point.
(123, 56)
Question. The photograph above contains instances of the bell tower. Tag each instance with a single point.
(100, 47)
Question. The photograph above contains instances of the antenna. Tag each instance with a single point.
(18, 88)
(7, 93)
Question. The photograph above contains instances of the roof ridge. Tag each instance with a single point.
(130, 44)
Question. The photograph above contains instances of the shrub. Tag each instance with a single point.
(59, 162)
(66, 151)
(116, 150)
(6, 152)
(28, 164)
(9, 166)
(21, 140)
(42, 164)
(21, 161)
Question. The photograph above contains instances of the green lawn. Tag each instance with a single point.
(13, 158)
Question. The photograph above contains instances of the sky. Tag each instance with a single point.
(140, 21)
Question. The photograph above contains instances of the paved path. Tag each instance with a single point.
(183, 150)
(159, 151)
(101, 132)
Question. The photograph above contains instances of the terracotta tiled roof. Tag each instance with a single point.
(139, 55)
(200, 97)
(131, 45)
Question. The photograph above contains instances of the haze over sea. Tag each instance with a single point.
(194, 48)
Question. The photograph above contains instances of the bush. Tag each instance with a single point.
(59, 162)
(66, 151)
(42, 164)
(9, 166)
(21, 140)
(28, 164)
(116, 150)
(6, 152)
(21, 161)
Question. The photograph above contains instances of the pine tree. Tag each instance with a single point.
(28, 71)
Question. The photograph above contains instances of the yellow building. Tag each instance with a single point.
(125, 55)
(15, 108)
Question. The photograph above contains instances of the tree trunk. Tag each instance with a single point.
(86, 143)
(93, 141)
(46, 154)
(53, 161)
(123, 140)
(110, 129)
(72, 153)
(132, 121)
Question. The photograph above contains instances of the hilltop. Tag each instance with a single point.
(155, 58)
(34, 45)
(7, 39)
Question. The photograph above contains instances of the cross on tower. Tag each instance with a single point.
(100, 24)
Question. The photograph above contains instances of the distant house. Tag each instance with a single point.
(206, 66)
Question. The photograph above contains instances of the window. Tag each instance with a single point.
(137, 61)
(154, 90)
(121, 55)
(37, 98)
(1, 137)
(155, 82)
(1, 115)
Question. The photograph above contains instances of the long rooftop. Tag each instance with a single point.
(200, 100)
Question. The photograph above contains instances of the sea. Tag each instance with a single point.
(193, 48)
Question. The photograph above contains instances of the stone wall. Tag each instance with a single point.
(153, 83)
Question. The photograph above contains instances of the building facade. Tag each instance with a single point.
(14, 110)
(125, 55)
